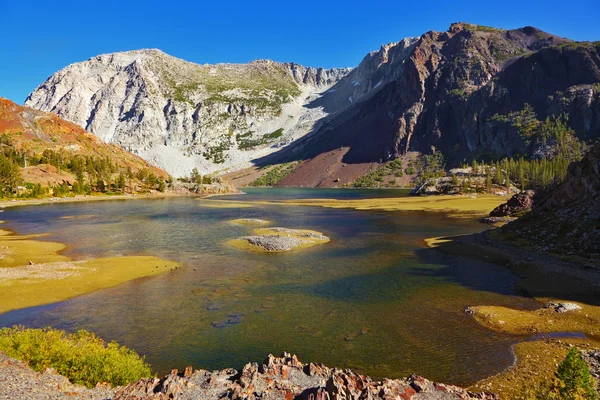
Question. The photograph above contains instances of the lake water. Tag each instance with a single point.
(374, 299)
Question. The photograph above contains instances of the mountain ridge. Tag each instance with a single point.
(456, 91)
(162, 107)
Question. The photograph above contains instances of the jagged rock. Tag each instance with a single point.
(286, 377)
(516, 205)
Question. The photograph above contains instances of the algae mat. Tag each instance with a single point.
(33, 272)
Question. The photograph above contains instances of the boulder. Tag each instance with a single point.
(516, 205)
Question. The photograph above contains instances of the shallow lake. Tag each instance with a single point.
(374, 299)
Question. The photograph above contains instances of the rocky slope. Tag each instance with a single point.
(565, 220)
(469, 92)
(47, 141)
(180, 115)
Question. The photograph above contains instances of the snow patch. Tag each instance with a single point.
(350, 99)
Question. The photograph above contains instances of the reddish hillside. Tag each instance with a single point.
(32, 131)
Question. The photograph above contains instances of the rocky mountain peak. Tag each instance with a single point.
(181, 115)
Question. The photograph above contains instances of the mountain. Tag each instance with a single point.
(472, 92)
(469, 92)
(41, 148)
(180, 115)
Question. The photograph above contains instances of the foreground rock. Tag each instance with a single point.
(516, 205)
(287, 378)
(18, 381)
(276, 240)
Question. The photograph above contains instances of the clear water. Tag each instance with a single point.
(374, 299)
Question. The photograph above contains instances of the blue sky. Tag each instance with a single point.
(41, 37)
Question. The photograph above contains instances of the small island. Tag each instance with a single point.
(277, 240)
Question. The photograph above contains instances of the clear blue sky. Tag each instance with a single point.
(41, 37)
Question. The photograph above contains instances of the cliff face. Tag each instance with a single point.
(566, 219)
(465, 92)
(181, 115)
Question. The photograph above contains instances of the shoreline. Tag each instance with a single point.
(546, 279)
(92, 198)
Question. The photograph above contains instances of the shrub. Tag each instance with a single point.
(573, 379)
(82, 357)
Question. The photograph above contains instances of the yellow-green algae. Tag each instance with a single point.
(250, 221)
(62, 278)
(224, 204)
(451, 204)
(543, 320)
(308, 241)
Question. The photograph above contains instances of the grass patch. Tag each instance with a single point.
(536, 363)
(274, 175)
(81, 357)
(246, 142)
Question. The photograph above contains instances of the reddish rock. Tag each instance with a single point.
(287, 378)
(518, 204)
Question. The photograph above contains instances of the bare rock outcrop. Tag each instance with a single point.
(516, 205)
(287, 378)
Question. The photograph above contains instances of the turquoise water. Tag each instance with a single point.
(373, 299)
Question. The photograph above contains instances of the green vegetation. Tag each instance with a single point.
(428, 166)
(273, 176)
(377, 177)
(266, 87)
(572, 381)
(199, 179)
(482, 28)
(82, 357)
(246, 142)
(92, 173)
(216, 153)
